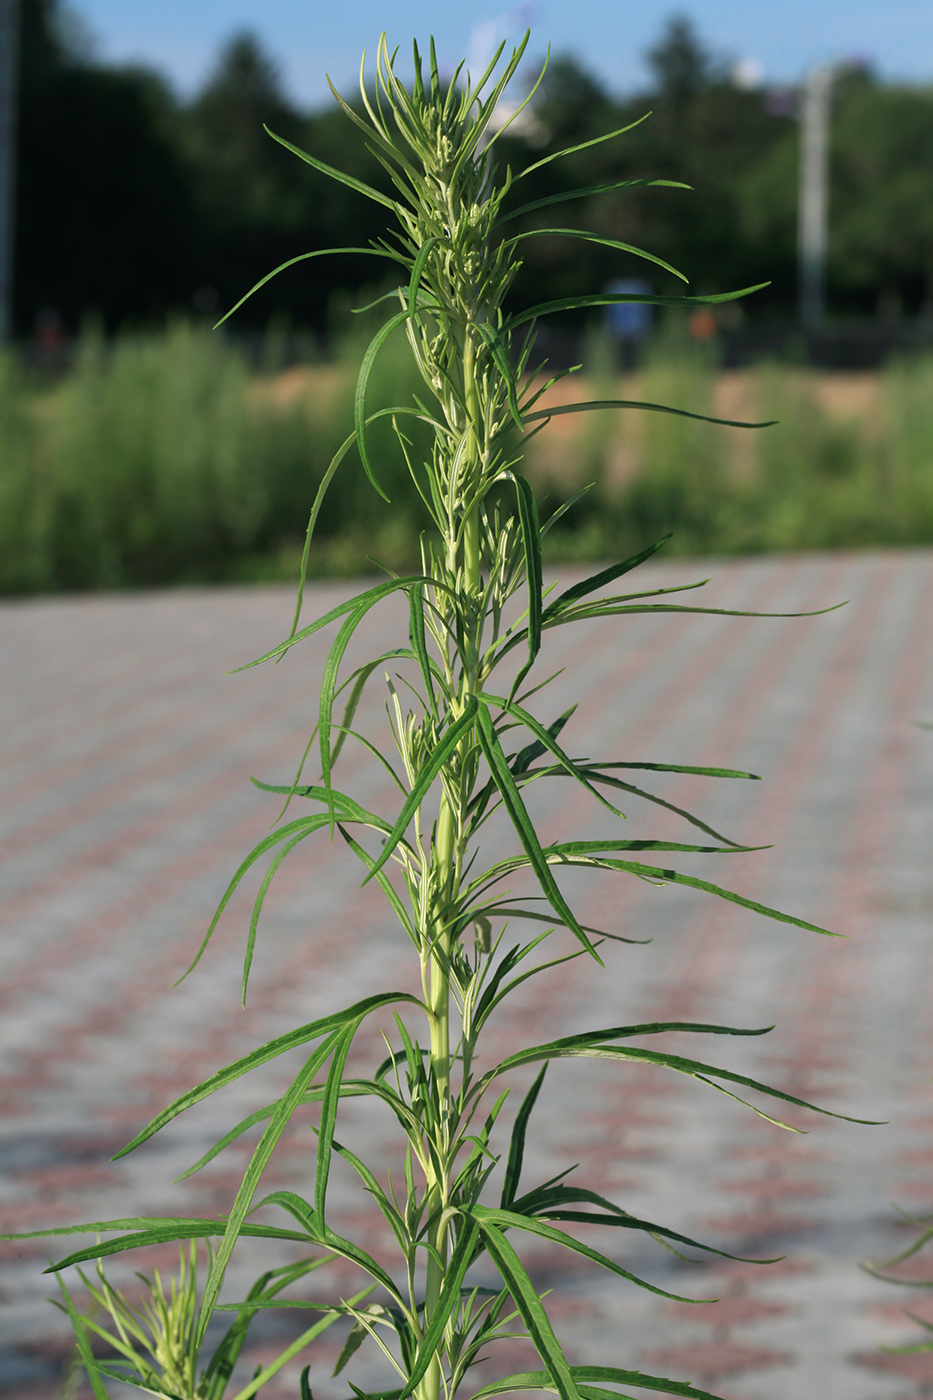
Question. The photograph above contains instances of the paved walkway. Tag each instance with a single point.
(125, 806)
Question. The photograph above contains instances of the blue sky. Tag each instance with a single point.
(309, 37)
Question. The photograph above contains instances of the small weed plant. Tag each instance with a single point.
(468, 745)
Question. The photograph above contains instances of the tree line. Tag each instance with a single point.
(133, 204)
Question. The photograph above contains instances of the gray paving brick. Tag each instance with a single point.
(125, 807)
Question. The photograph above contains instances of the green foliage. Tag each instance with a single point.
(819, 480)
(468, 747)
(923, 1228)
(164, 459)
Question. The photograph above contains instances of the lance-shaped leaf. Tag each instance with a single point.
(500, 355)
(526, 757)
(289, 1102)
(329, 1105)
(597, 405)
(604, 576)
(513, 1168)
(362, 601)
(303, 257)
(546, 308)
(359, 401)
(586, 192)
(349, 180)
(313, 1030)
(588, 237)
(570, 850)
(83, 1343)
(540, 1380)
(531, 547)
(512, 1220)
(168, 1231)
(266, 1373)
(384, 884)
(587, 1045)
(426, 776)
(581, 146)
(418, 645)
(548, 743)
(558, 1202)
(302, 1211)
(520, 819)
(524, 1294)
(329, 686)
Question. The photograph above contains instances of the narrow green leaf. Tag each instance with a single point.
(384, 884)
(550, 745)
(524, 759)
(588, 237)
(260, 900)
(244, 1125)
(695, 1069)
(319, 495)
(565, 196)
(577, 848)
(510, 1219)
(556, 1202)
(370, 596)
(529, 1305)
(329, 1106)
(302, 825)
(531, 547)
(313, 1030)
(690, 768)
(418, 645)
(541, 1380)
(513, 1168)
(673, 877)
(511, 798)
(359, 402)
(82, 1343)
(169, 1233)
(596, 404)
(581, 146)
(500, 356)
(349, 180)
(614, 298)
(303, 257)
(279, 1121)
(393, 1219)
(609, 575)
(417, 271)
(267, 1372)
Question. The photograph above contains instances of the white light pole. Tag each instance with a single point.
(813, 207)
(9, 66)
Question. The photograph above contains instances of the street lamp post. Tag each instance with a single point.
(9, 65)
(813, 207)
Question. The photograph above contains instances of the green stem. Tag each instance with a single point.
(446, 864)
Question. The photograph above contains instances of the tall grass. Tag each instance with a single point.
(167, 459)
(825, 476)
(163, 459)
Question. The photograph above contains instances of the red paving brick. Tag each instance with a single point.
(125, 807)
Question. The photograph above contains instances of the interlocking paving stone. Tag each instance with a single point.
(125, 808)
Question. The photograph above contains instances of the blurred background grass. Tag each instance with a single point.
(166, 458)
(139, 449)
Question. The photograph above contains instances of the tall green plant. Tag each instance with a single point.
(468, 746)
